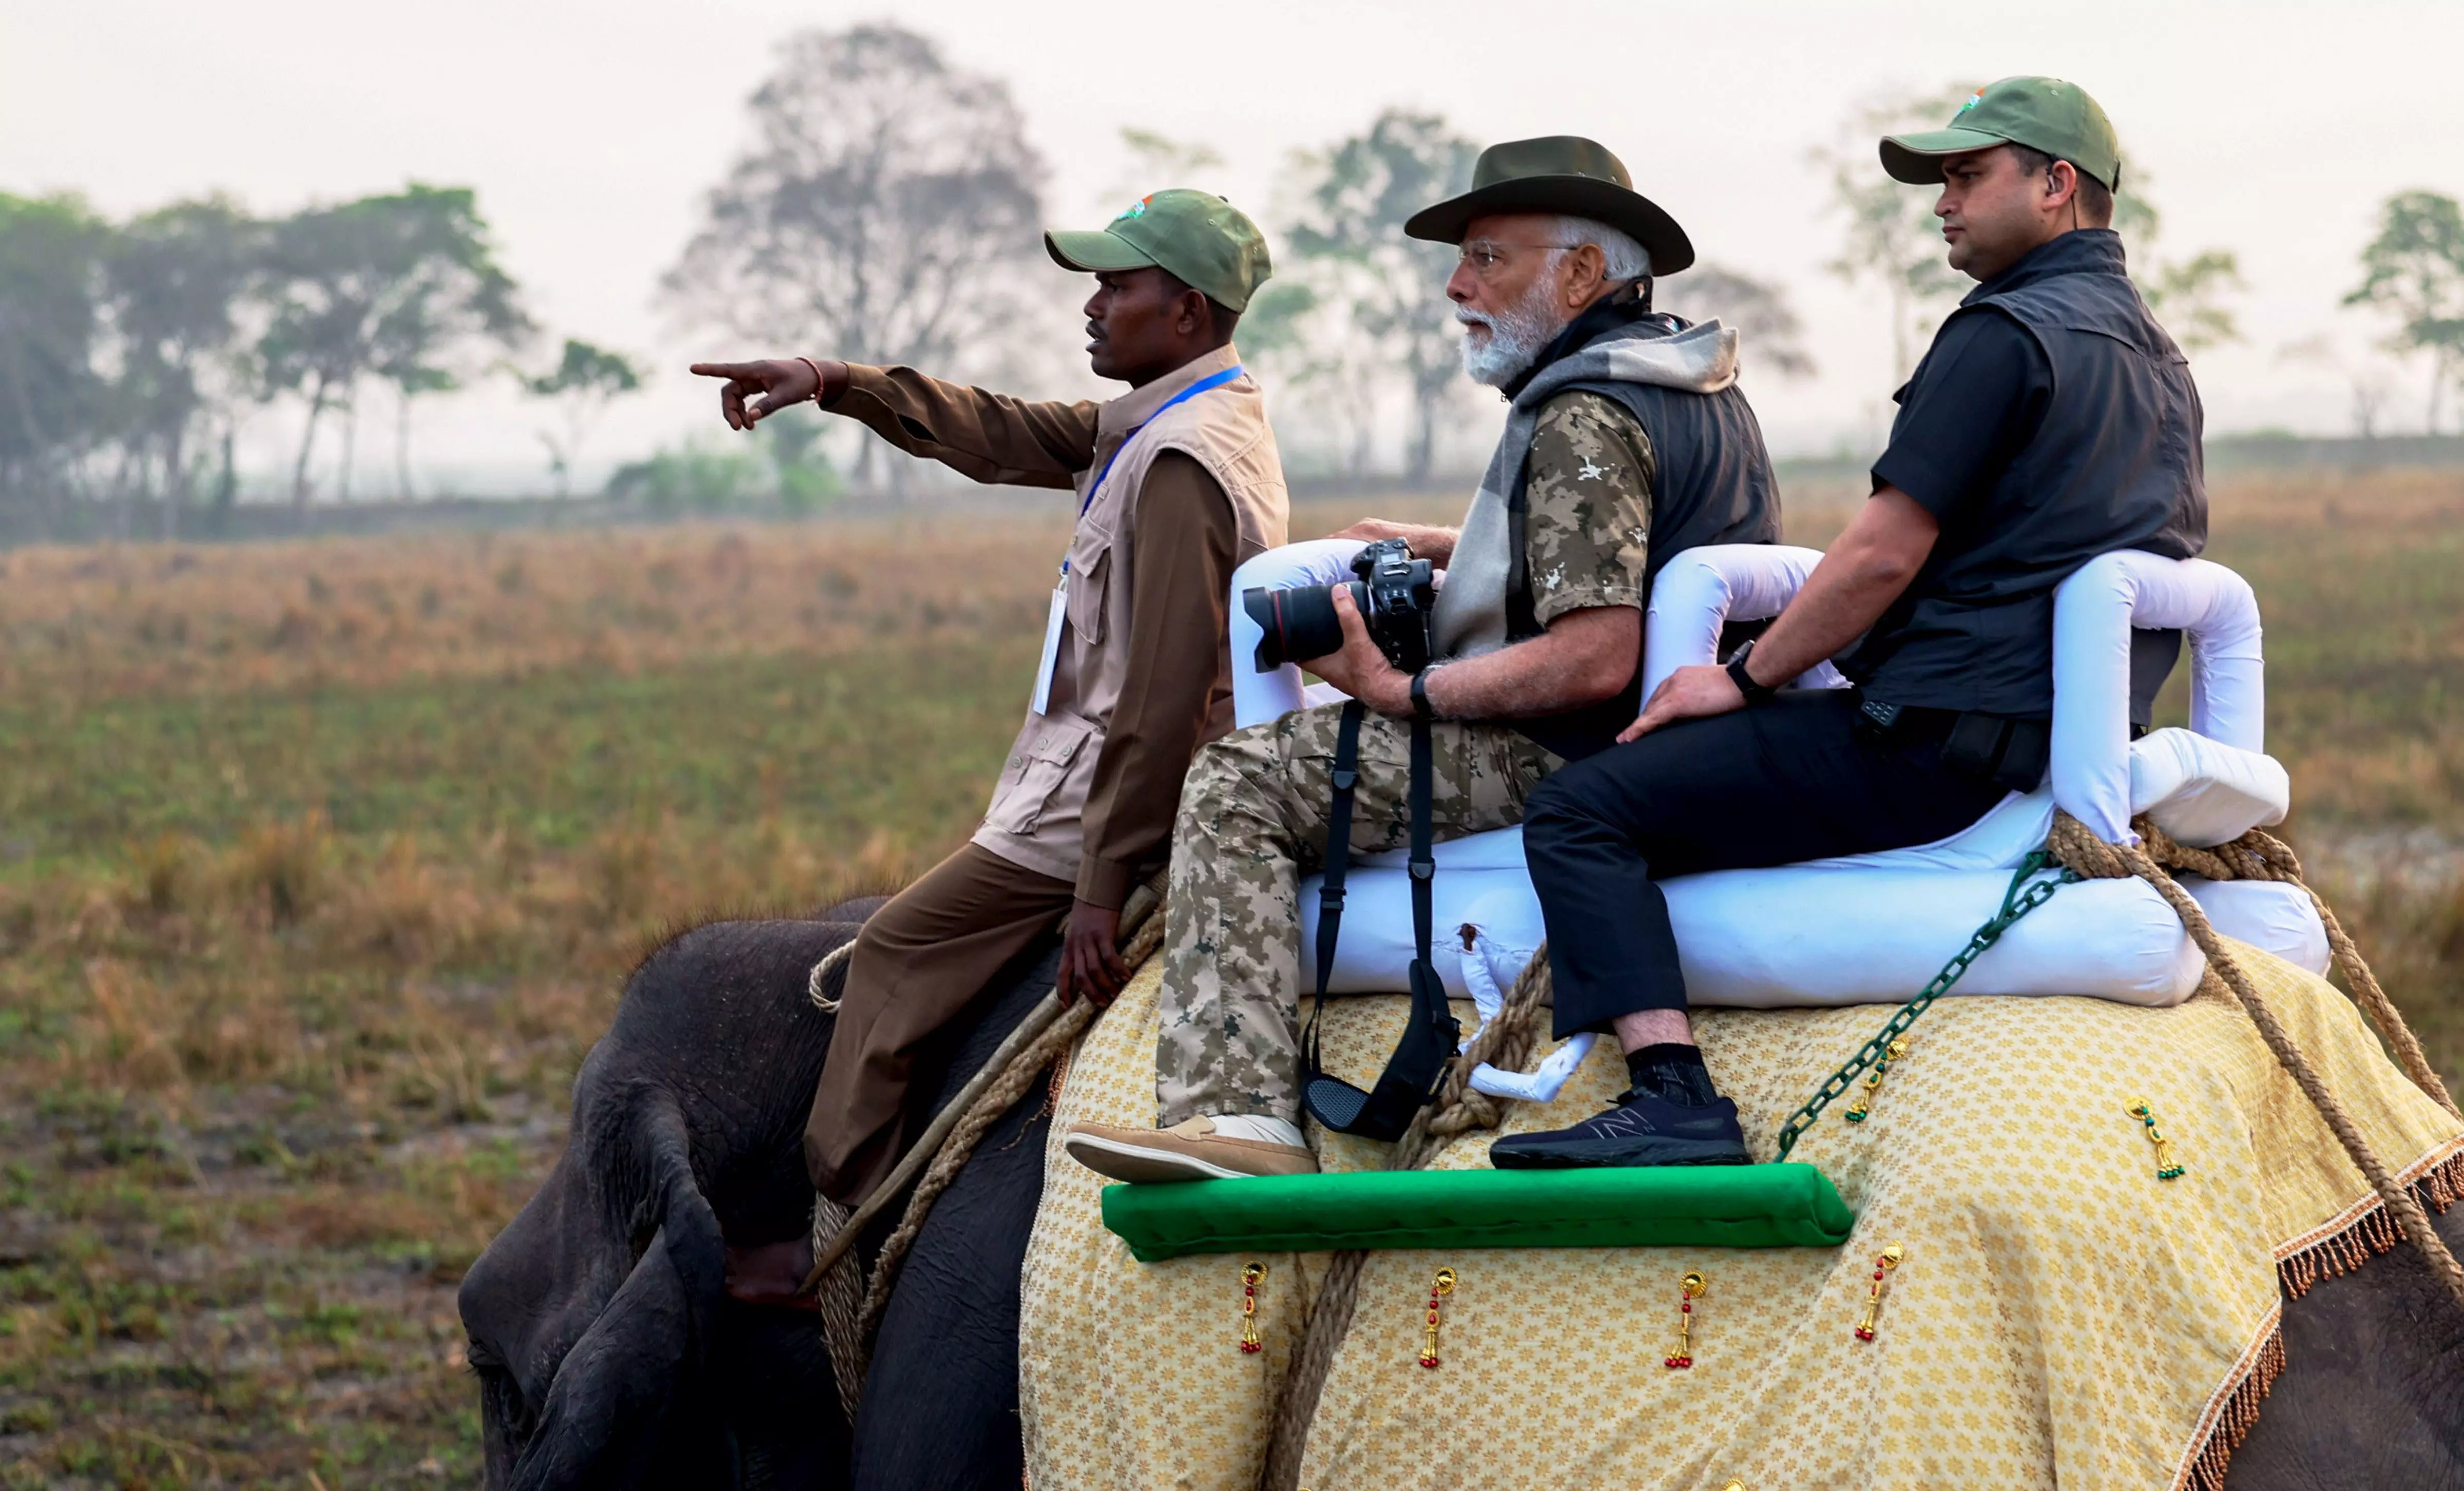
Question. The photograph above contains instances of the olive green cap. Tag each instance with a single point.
(1195, 237)
(2041, 113)
(1558, 173)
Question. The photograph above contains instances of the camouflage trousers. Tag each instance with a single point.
(1253, 820)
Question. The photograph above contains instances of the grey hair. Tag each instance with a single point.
(1625, 257)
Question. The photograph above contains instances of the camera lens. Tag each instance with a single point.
(1297, 622)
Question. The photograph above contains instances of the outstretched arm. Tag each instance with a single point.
(990, 437)
(1868, 568)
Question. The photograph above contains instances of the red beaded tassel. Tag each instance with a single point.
(1693, 1288)
(1883, 1265)
(1249, 1277)
(1443, 1286)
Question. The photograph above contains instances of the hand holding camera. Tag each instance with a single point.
(1390, 605)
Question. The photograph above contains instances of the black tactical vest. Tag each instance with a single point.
(1711, 483)
(2116, 463)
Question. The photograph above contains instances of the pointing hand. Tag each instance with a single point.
(780, 380)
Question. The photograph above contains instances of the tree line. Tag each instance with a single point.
(888, 209)
(132, 352)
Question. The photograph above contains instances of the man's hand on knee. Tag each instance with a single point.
(1090, 956)
(1687, 694)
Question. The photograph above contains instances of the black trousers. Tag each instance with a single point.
(1793, 780)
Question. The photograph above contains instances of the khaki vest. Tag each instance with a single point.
(1035, 819)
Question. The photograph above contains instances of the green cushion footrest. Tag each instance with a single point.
(1716, 1206)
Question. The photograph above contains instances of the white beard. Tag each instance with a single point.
(1514, 335)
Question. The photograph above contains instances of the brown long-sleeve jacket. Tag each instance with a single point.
(1186, 534)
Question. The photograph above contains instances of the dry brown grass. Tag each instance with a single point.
(322, 864)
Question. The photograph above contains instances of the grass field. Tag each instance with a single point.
(321, 864)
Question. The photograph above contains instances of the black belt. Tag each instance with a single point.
(1996, 748)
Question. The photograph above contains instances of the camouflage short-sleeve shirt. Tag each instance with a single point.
(1587, 532)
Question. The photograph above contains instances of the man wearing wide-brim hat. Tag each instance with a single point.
(1626, 441)
(1174, 483)
(2052, 421)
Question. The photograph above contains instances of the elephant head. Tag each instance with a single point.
(607, 1353)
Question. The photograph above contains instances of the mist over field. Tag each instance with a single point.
(394, 645)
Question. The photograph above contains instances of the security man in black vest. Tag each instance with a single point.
(2052, 421)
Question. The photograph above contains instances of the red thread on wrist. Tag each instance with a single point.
(821, 385)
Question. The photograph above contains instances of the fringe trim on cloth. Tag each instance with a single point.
(2234, 1411)
(2344, 1243)
(2364, 1230)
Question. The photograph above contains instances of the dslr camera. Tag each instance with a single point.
(1393, 594)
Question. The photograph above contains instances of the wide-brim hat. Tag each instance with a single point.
(1558, 173)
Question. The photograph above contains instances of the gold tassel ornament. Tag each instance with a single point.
(1443, 1286)
(2167, 1165)
(1250, 1276)
(1882, 1265)
(1693, 1288)
(1898, 1047)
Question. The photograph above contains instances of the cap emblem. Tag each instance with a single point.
(1973, 100)
(1137, 209)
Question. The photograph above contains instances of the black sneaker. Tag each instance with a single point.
(1641, 1130)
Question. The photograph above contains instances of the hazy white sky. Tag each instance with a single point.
(591, 130)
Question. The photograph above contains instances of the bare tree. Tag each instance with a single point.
(1758, 308)
(1379, 293)
(1892, 239)
(2413, 270)
(882, 214)
(2189, 295)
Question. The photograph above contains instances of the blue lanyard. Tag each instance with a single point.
(1190, 392)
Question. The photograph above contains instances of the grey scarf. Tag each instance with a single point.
(1470, 614)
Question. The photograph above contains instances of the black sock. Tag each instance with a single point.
(1673, 1073)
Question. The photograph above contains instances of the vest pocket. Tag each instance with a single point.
(1037, 769)
(1091, 574)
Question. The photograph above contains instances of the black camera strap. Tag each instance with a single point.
(1432, 1035)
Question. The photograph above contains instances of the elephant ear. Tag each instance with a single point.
(616, 1393)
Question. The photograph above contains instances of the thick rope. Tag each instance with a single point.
(1016, 1082)
(835, 959)
(1506, 1042)
(2262, 856)
(1041, 1039)
(2076, 846)
(841, 1298)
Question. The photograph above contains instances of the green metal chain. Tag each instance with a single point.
(2016, 902)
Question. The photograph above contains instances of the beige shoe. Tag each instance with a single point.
(1234, 1147)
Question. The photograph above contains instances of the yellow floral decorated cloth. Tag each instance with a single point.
(2061, 1314)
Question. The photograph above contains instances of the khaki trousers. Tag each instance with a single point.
(920, 963)
(1254, 816)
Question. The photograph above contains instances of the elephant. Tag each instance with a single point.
(610, 1352)
(609, 1349)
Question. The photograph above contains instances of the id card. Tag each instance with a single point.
(1053, 622)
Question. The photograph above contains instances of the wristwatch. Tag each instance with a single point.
(1755, 692)
(1421, 709)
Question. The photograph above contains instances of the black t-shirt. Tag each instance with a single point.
(2051, 421)
(1976, 399)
